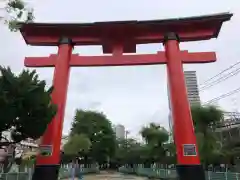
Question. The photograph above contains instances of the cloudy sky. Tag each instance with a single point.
(132, 96)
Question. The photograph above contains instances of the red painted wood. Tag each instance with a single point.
(40, 61)
(182, 120)
(198, 57)
(128, 33)
(53, 134)
(121, 60)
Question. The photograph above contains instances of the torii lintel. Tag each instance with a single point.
(127, 33)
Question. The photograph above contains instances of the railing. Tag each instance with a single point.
(172, 174)
(66, 171)
(222, 176)
(16, 176)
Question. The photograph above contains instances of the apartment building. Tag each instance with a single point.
(192, 87)
(120, 131)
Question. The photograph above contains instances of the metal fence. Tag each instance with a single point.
(66, 171)
(15, 176)
(172, 174)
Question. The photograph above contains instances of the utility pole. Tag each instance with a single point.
(235, 104)
(126, 138)
(126, 134)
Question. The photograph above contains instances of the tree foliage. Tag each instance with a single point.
(99, 130)
(18, 10)
(154, 134)
(131, 152)
(128, 151)
(77, 144)
(155, 137)
(25, 104)
(206, 119)
(158, 147)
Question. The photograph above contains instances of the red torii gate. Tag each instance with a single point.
(117, 38)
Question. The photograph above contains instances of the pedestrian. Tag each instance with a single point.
(73, 170)
(80, 172)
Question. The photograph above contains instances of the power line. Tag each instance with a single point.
(223, 96)
(221, 79)
(220, 73)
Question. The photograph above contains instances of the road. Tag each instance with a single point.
(111, 176)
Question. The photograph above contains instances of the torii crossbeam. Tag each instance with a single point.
(117, 39)
(120, 60)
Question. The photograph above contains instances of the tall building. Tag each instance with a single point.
(120, 131)
(192, 92)
(192, 87)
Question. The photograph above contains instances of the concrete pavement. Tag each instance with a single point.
(111, 176)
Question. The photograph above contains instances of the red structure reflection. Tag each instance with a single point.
(117, 39)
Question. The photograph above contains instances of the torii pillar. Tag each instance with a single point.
(117, 38)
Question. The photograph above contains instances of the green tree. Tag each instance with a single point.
(25, 105)
(128, 151)
(154, 133)
(231, 151)
(18, 10)
(99, 130)
(77, 144)
(25, 108)
(171, 157)
(155, 137)
(205, 119)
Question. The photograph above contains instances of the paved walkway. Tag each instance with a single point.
(111, 176)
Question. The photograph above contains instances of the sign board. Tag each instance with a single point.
(46, 150)
(189, 150)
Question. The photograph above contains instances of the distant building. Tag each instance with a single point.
(25, 148)
(192, 87)
(120, 131)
